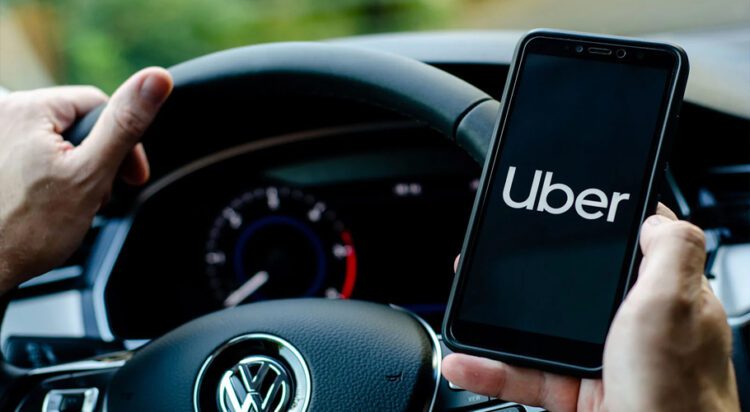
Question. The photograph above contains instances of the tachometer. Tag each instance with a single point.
(278, 242)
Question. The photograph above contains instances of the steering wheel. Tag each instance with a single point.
(298, 354)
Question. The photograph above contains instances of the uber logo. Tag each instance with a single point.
(585, 203)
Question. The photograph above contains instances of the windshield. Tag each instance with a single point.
(100, 42)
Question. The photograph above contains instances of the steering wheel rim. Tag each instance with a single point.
(456, 109)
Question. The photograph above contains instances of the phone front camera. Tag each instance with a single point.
(621, 53)
(579, 49)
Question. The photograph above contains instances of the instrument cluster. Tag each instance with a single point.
(381, 220)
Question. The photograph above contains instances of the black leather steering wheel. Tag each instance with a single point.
(301, 354)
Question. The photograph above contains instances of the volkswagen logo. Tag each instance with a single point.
(256, 372)
(255, 384)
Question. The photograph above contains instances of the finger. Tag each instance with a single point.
(135, 169)
(455, 263)
(128, 114)
(675, 253)
(510, 383)
(68, 103)
(663, 210)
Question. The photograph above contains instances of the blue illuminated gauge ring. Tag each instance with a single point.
(253, 228)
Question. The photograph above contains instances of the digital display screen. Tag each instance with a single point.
(567, 189)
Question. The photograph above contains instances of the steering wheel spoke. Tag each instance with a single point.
(76, 386)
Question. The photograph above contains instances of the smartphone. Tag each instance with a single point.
(552, 243)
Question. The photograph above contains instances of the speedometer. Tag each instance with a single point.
(278, 242)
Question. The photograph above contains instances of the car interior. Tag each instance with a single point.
(319, 192)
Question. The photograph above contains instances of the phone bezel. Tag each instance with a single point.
(544, 351)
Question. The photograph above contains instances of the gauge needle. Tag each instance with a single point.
(248, 288)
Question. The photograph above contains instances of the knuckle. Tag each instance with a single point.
(498, 387)
(681, 304)
(688, 233)
(129, 120)
(61, 109)
(676, 305)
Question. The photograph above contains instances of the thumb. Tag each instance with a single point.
(128, 114)
(674, 256)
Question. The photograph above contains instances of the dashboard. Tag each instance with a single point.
(353, 213)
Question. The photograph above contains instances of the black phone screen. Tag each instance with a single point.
(565, 196)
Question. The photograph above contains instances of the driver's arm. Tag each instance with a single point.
(50, 190)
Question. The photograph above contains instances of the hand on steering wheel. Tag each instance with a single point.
(52, 190)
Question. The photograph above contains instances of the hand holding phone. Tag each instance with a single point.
(657, 359)
(552, 242)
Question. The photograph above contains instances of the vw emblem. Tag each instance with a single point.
(256, 372)
(255, 384)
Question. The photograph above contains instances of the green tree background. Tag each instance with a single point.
(101, 42)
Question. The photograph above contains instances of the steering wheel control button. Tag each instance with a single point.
(256, 383)
(71, 400)
(253, 373)
(462, 400)
(452, 397)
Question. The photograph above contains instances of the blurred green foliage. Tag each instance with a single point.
(102, 41)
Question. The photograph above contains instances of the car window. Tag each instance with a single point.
(44, 42)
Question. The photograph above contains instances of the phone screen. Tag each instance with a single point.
(552, 250)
